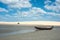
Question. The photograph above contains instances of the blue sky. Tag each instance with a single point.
(29, 10)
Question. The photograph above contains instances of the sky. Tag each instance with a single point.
(29, 10)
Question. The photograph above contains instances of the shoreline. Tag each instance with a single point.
(32, 23)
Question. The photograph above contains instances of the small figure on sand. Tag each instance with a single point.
(18, 23)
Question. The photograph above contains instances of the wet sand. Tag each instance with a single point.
(29, 33)
(37, 35)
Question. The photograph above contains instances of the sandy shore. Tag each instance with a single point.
(32, 23)
(53, 34)
(36, 35)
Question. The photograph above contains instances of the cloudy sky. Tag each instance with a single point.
(29, 10)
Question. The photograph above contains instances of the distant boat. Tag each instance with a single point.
(45, 28)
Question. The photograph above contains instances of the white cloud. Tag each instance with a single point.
(53, 14)
(33, 12)
(3, 10)
(9, 1)
(25, 14)
(57, 0)
(17, 3)
(55, 6)
(36, 13)
(39, 10)
(20, 5)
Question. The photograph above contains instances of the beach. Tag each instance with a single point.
(54, 23)
(35, 35)
(27, 32)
